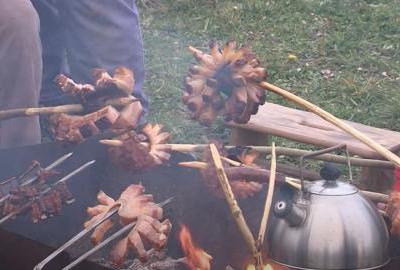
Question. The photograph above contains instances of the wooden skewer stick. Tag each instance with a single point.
(233, 205)
(333, 120)
(373, 196)
(194, 164)
(114, 142)
(294, 182)
(268, 201)
(237, 172)
(190, 148)
(70, 108)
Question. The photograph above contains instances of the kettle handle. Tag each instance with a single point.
(320, 152)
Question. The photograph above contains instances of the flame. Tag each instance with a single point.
(197, 258)
(269, 265)
(253, 267)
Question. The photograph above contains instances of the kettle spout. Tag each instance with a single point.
(293, 213)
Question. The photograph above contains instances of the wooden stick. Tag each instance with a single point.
(237, 172)
(70, 108)
(335, 121)
(362, 162)
(376, 197)
(373, 196)
(116, 143)
(268, 201)
(194, 164)
(232, 162)
(251, 174)
(189, 148)
(294, 182)
(294, 171)
(233, 205)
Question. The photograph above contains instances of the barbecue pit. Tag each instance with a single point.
(25, 244)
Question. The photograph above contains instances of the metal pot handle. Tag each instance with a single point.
(320, 152)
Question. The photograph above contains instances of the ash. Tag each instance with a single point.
(157, 260)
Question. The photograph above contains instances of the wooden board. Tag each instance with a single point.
(308, 128)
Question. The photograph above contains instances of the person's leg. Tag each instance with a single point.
(20, 70)
(53, 53)
(103, 34)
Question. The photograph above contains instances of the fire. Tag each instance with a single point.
(268, 265)
(197, 258)
(265, 267)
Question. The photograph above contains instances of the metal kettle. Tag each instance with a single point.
(328, 224)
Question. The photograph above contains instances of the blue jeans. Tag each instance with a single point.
(79, 35)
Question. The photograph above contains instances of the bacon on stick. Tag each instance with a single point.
(142, 149)
(45, 205)
(225, 81)
(134, 206)
(393, 211)
(75, 128)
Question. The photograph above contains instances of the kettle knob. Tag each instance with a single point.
(330, 172)
(282, 208)
(291, 212)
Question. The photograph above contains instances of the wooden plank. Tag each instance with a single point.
(308, 128)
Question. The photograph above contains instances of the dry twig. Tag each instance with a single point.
(233, 205)
(268, 200)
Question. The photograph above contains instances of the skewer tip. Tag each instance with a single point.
(90, 162)
(68, 155)
(194, 164)
(112, 142)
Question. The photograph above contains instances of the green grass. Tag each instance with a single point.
(359, 41)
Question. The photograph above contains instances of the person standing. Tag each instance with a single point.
(20, 71)
(80, 35)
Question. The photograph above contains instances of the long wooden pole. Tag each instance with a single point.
(70, 108)
(233, 204)
(292, 152)
(373, 196)
(333, 120)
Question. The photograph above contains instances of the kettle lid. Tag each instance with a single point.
(331, 188)
(329, 185)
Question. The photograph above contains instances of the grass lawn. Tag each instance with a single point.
(357, 41)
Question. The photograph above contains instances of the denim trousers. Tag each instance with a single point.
(79, 35)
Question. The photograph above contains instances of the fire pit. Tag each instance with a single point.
(207, 217)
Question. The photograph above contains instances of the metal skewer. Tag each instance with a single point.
(108, 215)
(120, 232)
(34, 178)
(50, 167)
(75, 172)
(28, 204)
(105, 242)
(16, 179)
(70, 242)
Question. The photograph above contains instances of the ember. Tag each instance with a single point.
(197, 259)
